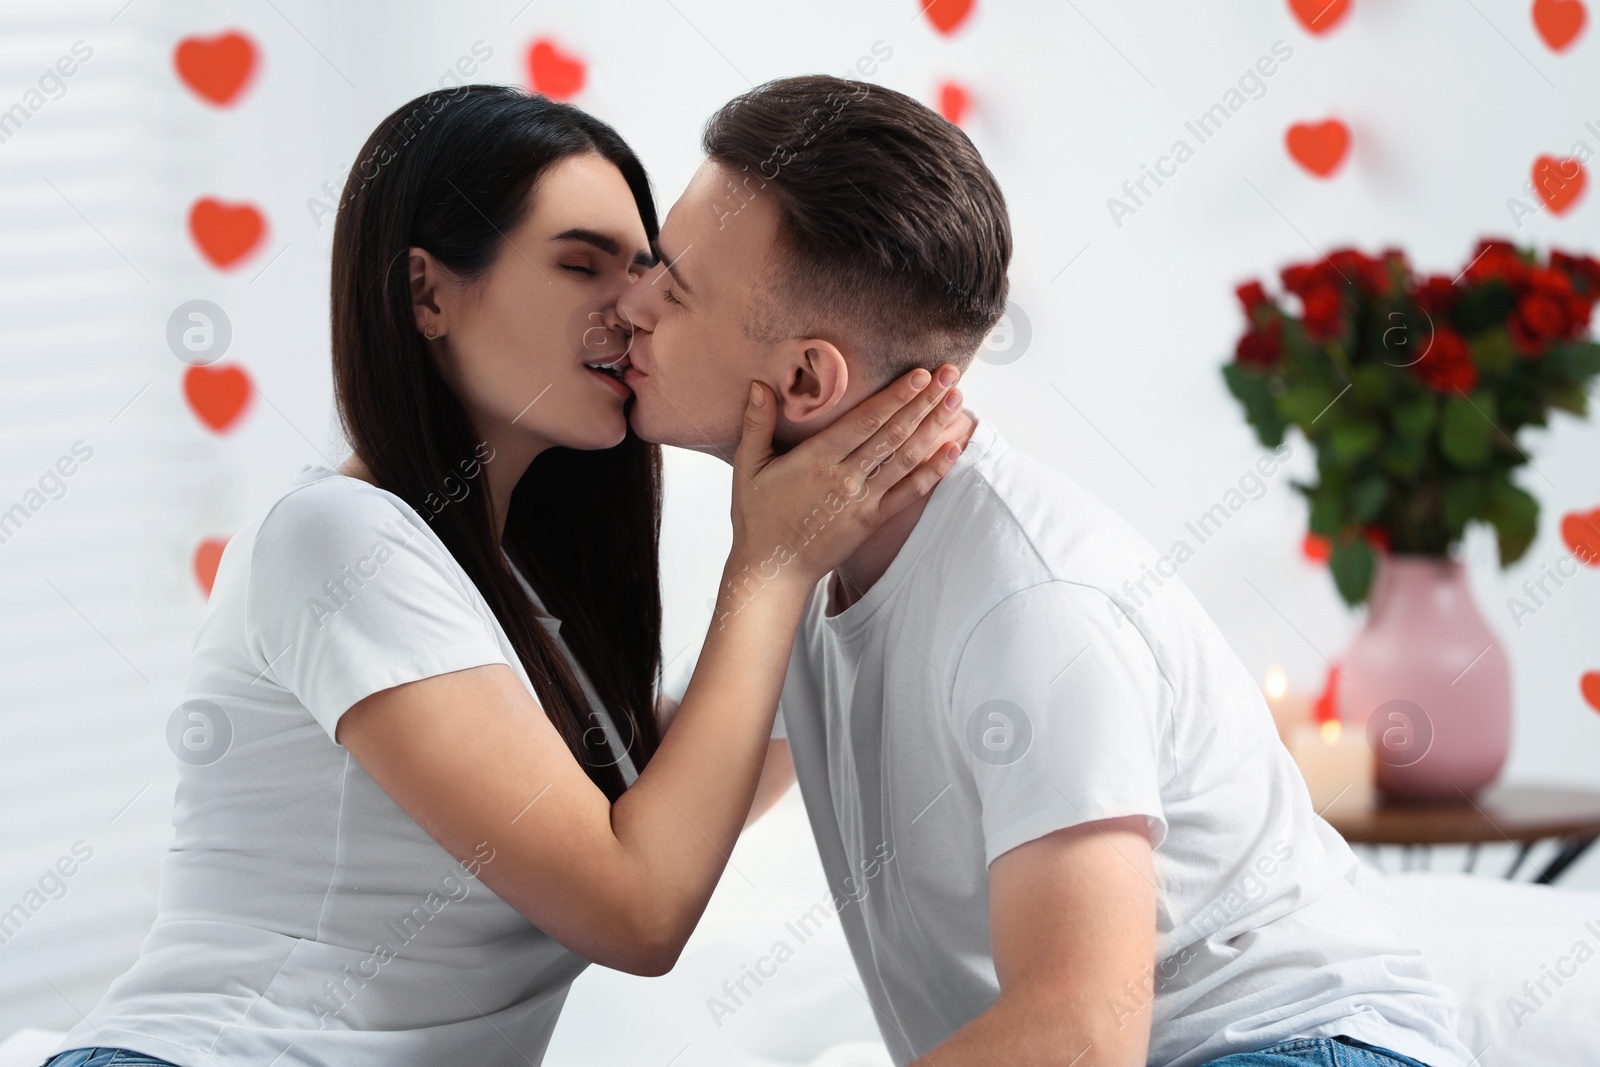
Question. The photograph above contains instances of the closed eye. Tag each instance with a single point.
(666, 295)
(579, 270)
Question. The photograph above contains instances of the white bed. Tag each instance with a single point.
(1485, 938)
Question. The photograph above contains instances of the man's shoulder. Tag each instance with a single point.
(1018, 522)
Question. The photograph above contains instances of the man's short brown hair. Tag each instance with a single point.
(893, 237)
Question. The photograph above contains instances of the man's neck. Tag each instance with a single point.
(857, 574)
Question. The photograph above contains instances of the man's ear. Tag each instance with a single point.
(815, 378)
(427, 278)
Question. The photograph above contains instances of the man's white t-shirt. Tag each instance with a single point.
(303, 917)
(997, 684)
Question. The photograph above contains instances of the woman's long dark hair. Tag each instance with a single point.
(451, 172)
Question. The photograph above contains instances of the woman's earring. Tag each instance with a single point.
(432, 331)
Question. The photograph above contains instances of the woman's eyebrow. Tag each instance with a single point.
(609, 245)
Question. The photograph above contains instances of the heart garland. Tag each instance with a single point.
(219, 396)
(218, 69)
(207, 557)
(1319, 147)
(1559, 182)
(1559, 22)
(947, 16)
(225, 233)
(553, 72)
(954, 101)
(1589, 686)
(1581, 531)
(1320, 16)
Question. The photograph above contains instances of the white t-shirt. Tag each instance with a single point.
(303, 917)
(997, 684)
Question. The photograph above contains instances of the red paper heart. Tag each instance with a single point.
(553, 72)
(948, 15)
(218, 395)
(1589, 686)
(1319, 16)
(1581, 531)
(1319, 147)
(953, 102)
(207, 555)
(216, 68)
(225, 233)
(1558, 21)
(1558, 181)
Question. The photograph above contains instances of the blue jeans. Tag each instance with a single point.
(104, 1057)
(1338, 1051)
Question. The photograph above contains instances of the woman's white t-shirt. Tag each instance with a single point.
(303, 917)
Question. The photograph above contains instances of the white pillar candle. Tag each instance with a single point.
(1337, 765)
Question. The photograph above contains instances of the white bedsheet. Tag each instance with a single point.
(1486, 938)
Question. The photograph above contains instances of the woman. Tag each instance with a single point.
(404, 822)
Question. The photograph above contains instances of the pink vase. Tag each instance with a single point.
(1428, 682)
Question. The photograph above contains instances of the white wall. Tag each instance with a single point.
(1450, 103)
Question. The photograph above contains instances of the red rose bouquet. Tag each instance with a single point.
(1413, 389)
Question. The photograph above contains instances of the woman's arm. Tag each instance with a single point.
(473, 759)
(777, 772)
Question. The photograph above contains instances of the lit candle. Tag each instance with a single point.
(1289, 709)
(1337, 765)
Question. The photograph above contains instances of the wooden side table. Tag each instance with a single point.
(1520, 815)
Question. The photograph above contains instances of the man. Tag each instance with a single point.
(1059, 823)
